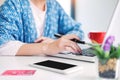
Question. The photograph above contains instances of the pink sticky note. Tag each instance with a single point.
(19, 72)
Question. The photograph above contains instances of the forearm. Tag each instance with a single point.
(32, 49)
(10, 48)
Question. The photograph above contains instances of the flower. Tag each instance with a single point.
(108, 50)
(108, 56)
(108, 43)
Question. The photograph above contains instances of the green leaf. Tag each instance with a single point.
(112, 49)
(118, 52)
(98, 52)
(115, 53)
(106, 55)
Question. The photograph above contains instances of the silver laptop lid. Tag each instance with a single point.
(114, 26)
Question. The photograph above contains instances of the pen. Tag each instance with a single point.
(74, 40)
(77, 41)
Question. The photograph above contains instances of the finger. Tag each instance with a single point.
(78, 49)
(71, 36)
(69, 49)
(68, 43)
(72, 45)
(40, 39)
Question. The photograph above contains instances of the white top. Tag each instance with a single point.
(11, 47)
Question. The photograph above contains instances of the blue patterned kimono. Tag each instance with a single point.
(17, 22)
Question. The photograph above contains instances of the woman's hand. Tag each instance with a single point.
(62, 44)
(43, 40)
(47, 46)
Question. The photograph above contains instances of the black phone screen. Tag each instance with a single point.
(55, 64)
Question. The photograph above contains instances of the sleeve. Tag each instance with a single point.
(9, 21)
(67, 25)
(10, 48)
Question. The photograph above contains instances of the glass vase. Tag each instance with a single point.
(108, 69)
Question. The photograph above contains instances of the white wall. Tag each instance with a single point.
(66, 4)
(94, 15)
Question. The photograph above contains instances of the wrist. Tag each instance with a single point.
(45, 49)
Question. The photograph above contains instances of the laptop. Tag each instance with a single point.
(113, 29)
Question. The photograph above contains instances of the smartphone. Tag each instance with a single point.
(56, 66)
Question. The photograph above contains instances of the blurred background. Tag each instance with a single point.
(95, 15)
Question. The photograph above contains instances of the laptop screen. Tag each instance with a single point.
(115, 25)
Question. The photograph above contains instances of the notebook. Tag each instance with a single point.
(113, 29)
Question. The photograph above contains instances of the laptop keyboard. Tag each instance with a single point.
(88, 52)
(85, 52)
(85, 56)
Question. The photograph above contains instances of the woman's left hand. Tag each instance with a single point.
(44, 40)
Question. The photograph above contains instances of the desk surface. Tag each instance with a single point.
(87, 72)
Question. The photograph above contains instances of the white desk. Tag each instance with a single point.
(88, 71)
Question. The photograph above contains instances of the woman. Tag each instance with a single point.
(27, 27)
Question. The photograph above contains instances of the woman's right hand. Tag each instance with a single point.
(62, 44)
(47, 46)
